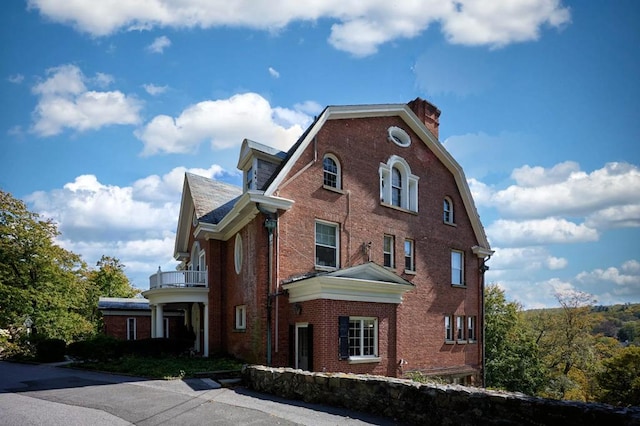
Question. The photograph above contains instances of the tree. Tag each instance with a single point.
(41, 284)
(109, 280)
(620, 377)
(511, 355)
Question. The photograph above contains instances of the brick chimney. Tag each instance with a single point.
(428, 113)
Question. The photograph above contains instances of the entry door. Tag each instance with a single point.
(304, 347)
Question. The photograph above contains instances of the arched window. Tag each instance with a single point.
(331, 170)
(448, 210)
(398, 187)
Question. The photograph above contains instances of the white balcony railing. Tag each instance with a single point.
(178, 279)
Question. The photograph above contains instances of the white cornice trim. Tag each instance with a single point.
(177, 295)
(348, 289)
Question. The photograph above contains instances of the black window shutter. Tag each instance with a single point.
(343, 336)
(310, 345)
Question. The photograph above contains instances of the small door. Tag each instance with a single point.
(304, 345)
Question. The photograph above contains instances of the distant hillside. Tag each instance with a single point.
(618, 321)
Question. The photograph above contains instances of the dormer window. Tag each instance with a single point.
(398, 187)
(331, 172)
(249, 179)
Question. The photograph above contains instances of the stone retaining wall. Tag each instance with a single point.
(428, 404)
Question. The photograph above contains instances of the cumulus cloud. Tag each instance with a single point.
(134, 223)
(64, 101)
(525, 259)
(359, 27)
(154, 90)
(539, 231)
(224, 123)
(159, 44)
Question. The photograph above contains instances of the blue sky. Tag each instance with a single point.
(106, 105)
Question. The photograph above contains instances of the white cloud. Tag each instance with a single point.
(103, 80)
(65, 102)
(308, 107)
(359, 28)
(274, 73)
(224, 124)
(15, 78)
(525, 259)
(154, 90)
(134, 223)
(538, 232)
(159, 44)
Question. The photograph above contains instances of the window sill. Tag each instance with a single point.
(461, 342)
(410, 272)
(363, 359)
(239, 330)
(449, 342)
(472, 341)
(332, 189)
(402, 209)
(450, 224)
(459, 285)
(325, 268)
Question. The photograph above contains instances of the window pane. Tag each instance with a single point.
(456, 268)
(408, 255)
(325, 234)
(326, 256)
(396, 187)
(354, 338)
(388, 251)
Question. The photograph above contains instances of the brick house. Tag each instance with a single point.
(130, 318)
(358, 250)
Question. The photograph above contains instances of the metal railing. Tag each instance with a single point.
(174, 279)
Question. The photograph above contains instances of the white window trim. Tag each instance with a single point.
(461, 327)
(135, 328)
(241, 317)
(448, 332)
(412, 243)
(399, 136)
(338, 186)
(391, 253)
(409, 195)
(473, 327)
(362, 359)
(462, 282)
(336, 226)
(451, 220)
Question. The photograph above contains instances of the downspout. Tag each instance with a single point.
(483, 268)
(270, 223)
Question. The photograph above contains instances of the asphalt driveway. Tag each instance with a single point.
(53, 395)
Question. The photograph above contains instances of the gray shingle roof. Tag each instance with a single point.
(212, 199)
(135, 303)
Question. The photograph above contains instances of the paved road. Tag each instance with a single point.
(53, 395)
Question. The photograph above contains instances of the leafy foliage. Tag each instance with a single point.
(511, 355)
(620, 378)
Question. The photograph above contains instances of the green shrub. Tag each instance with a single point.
(50, 350)
(157, 347)
(100, 347)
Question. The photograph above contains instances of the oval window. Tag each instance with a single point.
(238, 253)
(399, 136)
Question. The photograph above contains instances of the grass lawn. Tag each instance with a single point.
(162, 368)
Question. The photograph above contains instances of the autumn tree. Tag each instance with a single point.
(41, 284)
(620, 377)
(511, 355)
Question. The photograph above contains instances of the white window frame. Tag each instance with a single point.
(354, 359)
(336, 228)
(408, 186)
(389, 251)
(448, 328)
(411, 255)
(471, 329)
(460, 329)
(457, 273)
(447, 207)
(241, 317)
(337, 173)
(132, 332)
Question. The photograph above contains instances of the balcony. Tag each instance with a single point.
(178, 279)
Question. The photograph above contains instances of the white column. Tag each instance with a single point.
(159, 320)
(153, 321)
(206, 330)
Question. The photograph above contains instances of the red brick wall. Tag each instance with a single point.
(361, 145)
(116, 326)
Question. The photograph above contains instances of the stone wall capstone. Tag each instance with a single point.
(430, 404)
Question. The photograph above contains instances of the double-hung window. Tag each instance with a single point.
(448, 211)
(327, 242)
(460, 328)
(363, 337)
(448, 328)
(241, 317)
(131, 329)
(387, 249)
(471, 329)
(409, 258)
(457, 268)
